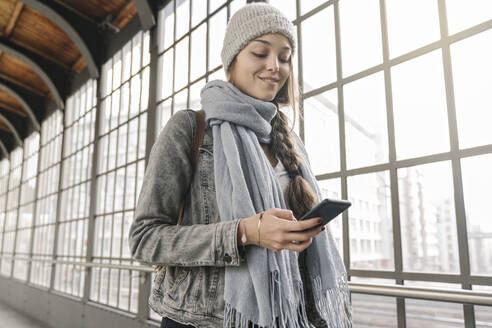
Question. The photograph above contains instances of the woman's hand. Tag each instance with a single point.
(279, 230)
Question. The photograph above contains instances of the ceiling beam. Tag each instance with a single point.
(13, 19)
(4, 149)
(54, 77)
(3, 127)
(124, 14)
(145, 14)
(12, 128)
(4, 77)
(84, 34)
(12, 109)
(24, 102)
(79, 63)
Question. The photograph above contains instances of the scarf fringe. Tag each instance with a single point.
(334, 304)
(292, 313)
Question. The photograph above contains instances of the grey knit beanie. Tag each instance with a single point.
(251, 21)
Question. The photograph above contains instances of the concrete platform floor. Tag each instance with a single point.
(13, 319)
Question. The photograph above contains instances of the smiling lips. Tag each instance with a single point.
(270, 80)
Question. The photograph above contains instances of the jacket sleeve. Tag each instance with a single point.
(154, 237)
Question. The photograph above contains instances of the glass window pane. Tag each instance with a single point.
(318, 53)
(195, 90)
(370, 224)
(198, 47)
(163, 115)
(199, 11)
(166, 26)
(117, 236)
(144, 102)
(181, 68)
(125, 102)
(182, 17)
(403, 34)
(109, 192)
(483, 316)
(146, 49)
(306, 6)
(321, 132)
(366, 138)
(136, 53)
(115, 108)
(127, 60)
(428, 221)
(107, 81)
(419, 104)
(373, 311)
(214, 4)
(332, 189)
(127, 221)
(477, 179)
(116, 70)
(356, 41)
(135, 91)
(217, 75)
(112, 149)
(165, 71)
(180, 101)
(421, 313)
(465, 14)
(142, 135)
(130, 191)
(132, 140)
(472, 69)
(120, 187)
(217, 27)
(122, 139)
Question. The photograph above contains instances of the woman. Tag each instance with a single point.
(239, 259)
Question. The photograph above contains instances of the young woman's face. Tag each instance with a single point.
(262, 67)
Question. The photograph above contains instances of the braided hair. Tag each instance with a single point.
(299, 195)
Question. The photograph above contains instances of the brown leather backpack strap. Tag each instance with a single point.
(198, 140)
(195, 153)
(195, 150)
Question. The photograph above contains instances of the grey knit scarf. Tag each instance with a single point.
(267, 289)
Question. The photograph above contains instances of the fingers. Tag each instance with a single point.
(283, 214)
(295, 241)
(304, 224)
(300, 246)
(301, 236)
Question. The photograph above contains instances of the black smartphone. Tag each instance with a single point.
(327, 210)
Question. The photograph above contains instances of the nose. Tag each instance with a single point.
(272, 64)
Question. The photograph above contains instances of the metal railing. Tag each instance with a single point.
(424, 293)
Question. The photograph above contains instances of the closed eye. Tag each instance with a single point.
(259, 55)
(283, 60)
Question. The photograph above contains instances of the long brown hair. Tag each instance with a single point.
(299, 195)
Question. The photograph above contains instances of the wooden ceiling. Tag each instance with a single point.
(43, 44)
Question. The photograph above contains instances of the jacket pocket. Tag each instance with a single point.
(157, 283)
(180, 274)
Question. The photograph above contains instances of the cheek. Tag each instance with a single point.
(284, 73)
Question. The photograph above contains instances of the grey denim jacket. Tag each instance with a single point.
(196, 252)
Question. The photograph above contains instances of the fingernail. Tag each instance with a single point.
(323, 228)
